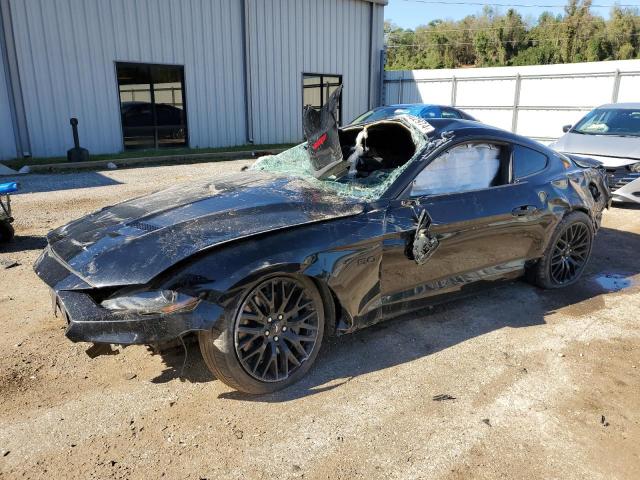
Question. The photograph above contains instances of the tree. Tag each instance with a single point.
(491, 38)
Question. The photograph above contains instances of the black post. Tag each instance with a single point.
(74, 127)
(76, 154)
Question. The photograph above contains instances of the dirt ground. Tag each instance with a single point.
(546, 383)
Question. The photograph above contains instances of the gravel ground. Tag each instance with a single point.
(546, 383)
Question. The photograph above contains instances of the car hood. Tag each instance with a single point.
(134, 241)
(610, 150)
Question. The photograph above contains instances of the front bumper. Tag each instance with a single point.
(89, 322)
(624, 184)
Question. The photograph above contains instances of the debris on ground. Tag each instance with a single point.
(112, 166)
(443, 396)
(7, 264)
(486, 421)
(603, 421)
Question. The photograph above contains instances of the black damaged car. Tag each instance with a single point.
(353, 227)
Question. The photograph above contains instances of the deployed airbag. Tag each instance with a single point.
(463, 168)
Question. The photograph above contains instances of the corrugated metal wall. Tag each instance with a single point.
(290, 37)
(7, 138)
(67, 49)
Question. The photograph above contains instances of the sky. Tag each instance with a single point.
(411, 13)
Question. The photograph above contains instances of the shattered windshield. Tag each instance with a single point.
(389, 148)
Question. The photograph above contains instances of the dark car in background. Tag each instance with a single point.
(262, 265)
(420, 110)
(611, 135)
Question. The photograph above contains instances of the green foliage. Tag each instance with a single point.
(491, 38)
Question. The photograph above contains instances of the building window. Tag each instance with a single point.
(316, 89)
(152, 105)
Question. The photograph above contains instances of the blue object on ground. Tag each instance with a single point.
(10, 187)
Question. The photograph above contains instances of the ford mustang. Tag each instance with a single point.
(354, 226)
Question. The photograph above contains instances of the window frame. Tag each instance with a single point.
(322, 87)
(156, 127)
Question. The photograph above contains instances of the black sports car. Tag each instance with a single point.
(324, 239)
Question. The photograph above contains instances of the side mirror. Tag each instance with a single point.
(566, 128)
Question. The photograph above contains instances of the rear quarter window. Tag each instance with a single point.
(527, 162)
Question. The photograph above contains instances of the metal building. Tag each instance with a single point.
(162, 73)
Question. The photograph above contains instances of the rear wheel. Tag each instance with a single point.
(567, 254)
(270, 339)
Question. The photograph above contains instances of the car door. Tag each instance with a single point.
(476, 223)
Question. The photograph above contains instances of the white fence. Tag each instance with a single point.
(535, 101)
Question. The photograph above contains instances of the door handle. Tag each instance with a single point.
(524, 210)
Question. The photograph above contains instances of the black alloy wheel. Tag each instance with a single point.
(276, 329)
(567, 253)
(570, 253)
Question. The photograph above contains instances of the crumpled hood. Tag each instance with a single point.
(132, 242)
(601, 147)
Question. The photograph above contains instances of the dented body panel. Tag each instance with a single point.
(375, 257)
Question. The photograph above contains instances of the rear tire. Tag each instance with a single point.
(567, 254)
(270, 336)
(6, 232)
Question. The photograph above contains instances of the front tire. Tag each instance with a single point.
(270, 336)
(567, 254)
(6, 232)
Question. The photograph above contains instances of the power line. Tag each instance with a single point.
(517, 5)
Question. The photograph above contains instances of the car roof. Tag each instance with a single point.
(409, 105)
(621, 106)
(464, 128)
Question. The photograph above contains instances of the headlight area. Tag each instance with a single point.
(635, 168)
(151, 302)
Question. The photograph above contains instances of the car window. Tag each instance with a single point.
(430, 112)
(450, 113)
(610, 121)
(471, 166)
(527, 161)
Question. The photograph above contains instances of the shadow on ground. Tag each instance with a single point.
(415, 335)
(36, 183)
(627, 206)
(184, 362)
(24, 243)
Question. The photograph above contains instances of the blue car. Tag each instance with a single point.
(421, 110)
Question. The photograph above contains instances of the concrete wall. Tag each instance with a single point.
(66, 52)
(537, 104)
